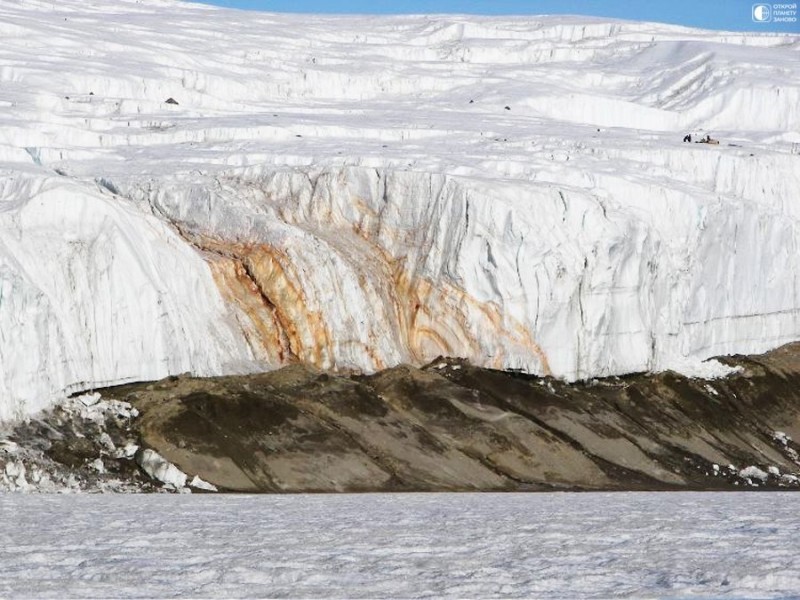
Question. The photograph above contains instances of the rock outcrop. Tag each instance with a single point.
(453, 426)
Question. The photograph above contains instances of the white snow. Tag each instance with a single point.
(631, 545)
(405, 212)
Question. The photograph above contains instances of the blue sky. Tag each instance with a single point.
(734, 15)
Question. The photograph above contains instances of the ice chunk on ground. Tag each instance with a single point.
(106, 441)
(14, 475)
(202, 485)
(160, 469)
(89, 399)
(781, 437)
(8, 446)
(753, 472)
(128, 451)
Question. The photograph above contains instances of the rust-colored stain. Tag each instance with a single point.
(262, 331)
(306, 329)
(258, 280)
(430, 319)
(429, 334)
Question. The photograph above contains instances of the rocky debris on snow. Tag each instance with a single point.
(72, 447)
(753, 472)
(770, 476)
(86, 443)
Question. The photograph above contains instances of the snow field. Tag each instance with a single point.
(588, 545)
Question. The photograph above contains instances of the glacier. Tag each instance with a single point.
(360, 192)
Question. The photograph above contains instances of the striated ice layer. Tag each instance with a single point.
(94, 293)
(404, 266)
(357, 192)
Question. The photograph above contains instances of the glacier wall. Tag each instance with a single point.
(357, 192)
(93, 293)
(389, 266)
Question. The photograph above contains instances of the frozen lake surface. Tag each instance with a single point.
(412, 545)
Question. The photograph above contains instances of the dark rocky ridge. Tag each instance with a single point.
(452, 426)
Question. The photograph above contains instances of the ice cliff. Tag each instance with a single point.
(358, 192)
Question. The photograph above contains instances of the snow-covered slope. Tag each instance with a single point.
(358, 192)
